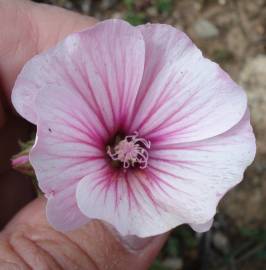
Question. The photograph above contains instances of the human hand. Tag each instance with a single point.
(28, 241)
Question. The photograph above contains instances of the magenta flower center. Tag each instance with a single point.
(130, 151)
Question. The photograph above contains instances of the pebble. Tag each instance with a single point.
(222, 2)
(117, 15)
(205, 29)
(252, 78)
(152, 11)
(86, 6)
(221, 242)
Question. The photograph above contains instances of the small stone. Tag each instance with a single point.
(222, 2)
(173, 263)
(197, 6)
(176, 14)
(253, 8)
(86, 6)
(117, 15)
(236, 41)
(152, 11)
(221, 242)
(252, 78)
(205, 29)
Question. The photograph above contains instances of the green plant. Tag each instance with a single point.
(135, 18)
(164, 6)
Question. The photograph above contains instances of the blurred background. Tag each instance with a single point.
(232, 33)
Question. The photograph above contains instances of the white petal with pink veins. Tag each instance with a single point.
(183, 96)
(135, 128)
(73, 117)
(126, 202)
(203, 171)
(104, 64)
(62, 210)
(70, 138)
(183, 186)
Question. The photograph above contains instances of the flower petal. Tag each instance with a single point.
(202, 172)
(104, 64)
(183, 96)
(183, 184)
(62, 211)
(69, 139)
(125, 202)
(76, 111)
(200, 228)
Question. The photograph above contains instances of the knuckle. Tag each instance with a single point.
(40, 247)
(29, 251)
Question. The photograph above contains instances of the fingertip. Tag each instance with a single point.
(54, 23)
(29, 28)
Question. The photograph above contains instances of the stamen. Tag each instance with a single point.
(130, 151)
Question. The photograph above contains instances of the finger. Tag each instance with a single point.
(28, 28)
(91, 247)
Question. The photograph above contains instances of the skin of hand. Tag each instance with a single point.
(28, 242)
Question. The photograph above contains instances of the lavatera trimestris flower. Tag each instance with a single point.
(135, 128)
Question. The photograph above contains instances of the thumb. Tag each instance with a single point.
(29, 28)
(29, 242)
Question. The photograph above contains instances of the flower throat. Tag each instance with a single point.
(131, 151)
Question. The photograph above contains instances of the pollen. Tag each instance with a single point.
(131, 151)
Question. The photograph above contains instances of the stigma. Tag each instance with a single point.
(131, 151)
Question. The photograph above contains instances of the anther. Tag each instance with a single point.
(130, 151)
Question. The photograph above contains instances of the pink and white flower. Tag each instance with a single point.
(135, 128)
